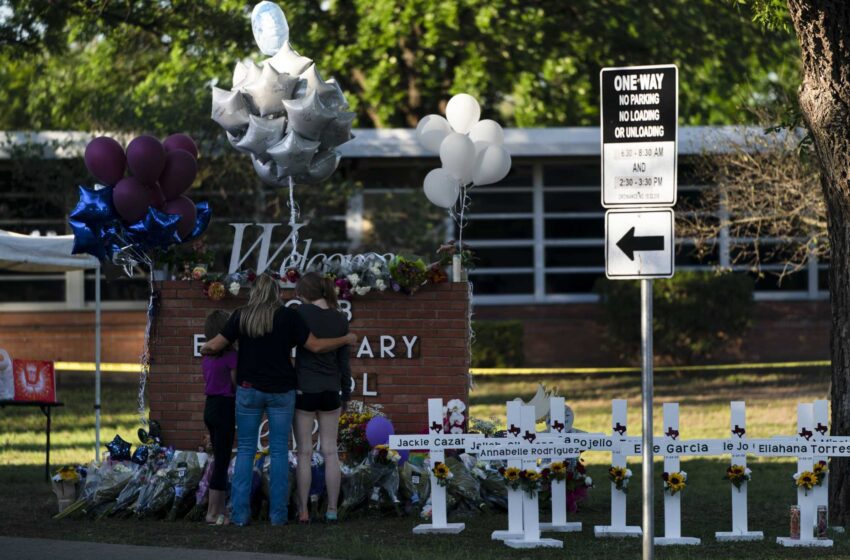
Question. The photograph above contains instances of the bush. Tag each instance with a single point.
(694, 313)
(498, 344)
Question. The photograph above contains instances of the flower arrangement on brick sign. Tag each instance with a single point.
(806, 480)
(442, 473)
(820, 469)
(738, 475)
(620, 476)
(674, 482)
(454, 417)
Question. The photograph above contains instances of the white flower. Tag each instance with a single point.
(375, 269)
(456, 405)
(684, 475)
(588, 481)
(380, 285)
(354, 279)
(796, 476)
(362, 290)
(456, 430)
(234, 288)
(628, 473)
(456, 418)
(747, 471)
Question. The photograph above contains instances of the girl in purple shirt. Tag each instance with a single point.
(219, 414)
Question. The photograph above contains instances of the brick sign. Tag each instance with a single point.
(410, 348)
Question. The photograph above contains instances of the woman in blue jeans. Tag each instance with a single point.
(265, 383)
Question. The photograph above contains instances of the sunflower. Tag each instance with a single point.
(617, 474)
(557, 467)
(806, 480)
(532, 475)
(511, 474)
(674, 482)
(820, 470)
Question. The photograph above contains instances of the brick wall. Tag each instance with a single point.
(436, 315)
(68, 336)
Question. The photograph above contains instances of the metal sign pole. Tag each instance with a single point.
(646, 398)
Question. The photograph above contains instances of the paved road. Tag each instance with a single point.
(41, 549)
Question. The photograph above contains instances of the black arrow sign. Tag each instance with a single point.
(629, 243)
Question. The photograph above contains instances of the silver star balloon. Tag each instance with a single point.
(245, 72)
(229, 109)
(288, 61)
(267, 92)
(293, 154)
(234, 140)
(338, 131)
(334, 99)
(308, 116)
(267, 172)
(321, 168)
(261, 134)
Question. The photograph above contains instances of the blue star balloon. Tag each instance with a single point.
(119, 450)
(156, 230)
(140, 455)
(87, 239)
(202, 220)
(95, 206)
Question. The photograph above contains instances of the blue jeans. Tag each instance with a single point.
(250, 406)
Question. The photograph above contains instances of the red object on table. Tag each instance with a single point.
(35, 380)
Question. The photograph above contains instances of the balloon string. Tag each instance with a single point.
(145, 358)
(459, 214)
(292, 261)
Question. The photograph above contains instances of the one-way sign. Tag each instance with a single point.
(639, 243)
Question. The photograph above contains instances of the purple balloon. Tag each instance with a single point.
(179, 172)
(105, 160)
(146, 158)
(185, 208)
(158, 199)
(378, 430)
(180, 141)
(131, 199)
(404, 454)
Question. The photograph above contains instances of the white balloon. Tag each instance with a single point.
(441, 188)
(487, 131)
(270, 27)
(431, 131)
(457, 153)
(491, 165)
(463, 112)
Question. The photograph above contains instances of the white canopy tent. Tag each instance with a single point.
(25, 253)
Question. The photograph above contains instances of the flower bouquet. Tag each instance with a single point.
(185, 477)
(674, 482)
(442, 473)
(738, 475)
(821, 470)
(454, 417)
(414, 484)
(806, 480)
(66, 484)
(462, 485)
(352, 432)
(493, 489)
(384, 466)
(202, 493)
(620, 477)
(103, 485)
(408, 274)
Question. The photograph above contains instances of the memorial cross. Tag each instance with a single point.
(558, 425)
(619, 458)
(672, 502)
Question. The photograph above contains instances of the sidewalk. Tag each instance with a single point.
(39, 549)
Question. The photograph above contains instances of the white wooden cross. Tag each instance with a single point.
(514, 530)
(672, 503)
(436, 442)
(738, 428)
(619, 458)
(806, 499)
(525, 445)
(559, 424)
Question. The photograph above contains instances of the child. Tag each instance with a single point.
(219, 414)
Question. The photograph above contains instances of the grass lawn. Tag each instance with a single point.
(27, 503)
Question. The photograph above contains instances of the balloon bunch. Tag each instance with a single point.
(127, 219)
(124, 218)
(471, 151)
(282, 113)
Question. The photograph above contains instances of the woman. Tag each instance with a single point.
(324, 384)
(265, 383)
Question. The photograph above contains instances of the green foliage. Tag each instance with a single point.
(498, 344)
(147, 66)
(694, 313)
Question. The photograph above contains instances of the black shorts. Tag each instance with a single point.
(326, 401)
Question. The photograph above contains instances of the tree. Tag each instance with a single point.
(146, 65)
